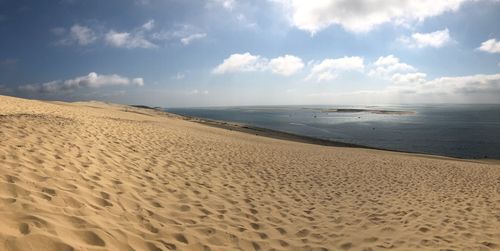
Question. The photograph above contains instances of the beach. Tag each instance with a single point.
(99, 176)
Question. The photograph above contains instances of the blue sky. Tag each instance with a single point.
(233, 52)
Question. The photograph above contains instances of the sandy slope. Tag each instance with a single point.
(90, 176)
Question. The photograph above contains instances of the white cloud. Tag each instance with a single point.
(190, 38)
(137, 81)
(240, 63)
(137, 38)
(149, 25)
(408, 78)
(82, 35)
(245, 22)
(434, 39)
(226, 4)
(77, 34)
(92, 80)
(386, 67)
(117, 39)
(491, 46)
(128, 40)
(361, 16)
(329, 69)
(185, 34)
(286, 65)
(387, 60)
(464, 89)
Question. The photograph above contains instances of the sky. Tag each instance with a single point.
(193, 53)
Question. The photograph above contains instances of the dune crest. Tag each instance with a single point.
(96, 176)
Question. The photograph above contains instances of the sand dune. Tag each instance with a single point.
(93, 176)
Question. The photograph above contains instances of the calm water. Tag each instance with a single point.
(465, 131)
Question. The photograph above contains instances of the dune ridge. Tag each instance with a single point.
(96, 176)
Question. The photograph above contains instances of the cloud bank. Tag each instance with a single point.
(128, 40)
(465, 85)
(407, 81)
(92, 80)
(144, 36)
(409, 85)
(360, 15)
(481, 88)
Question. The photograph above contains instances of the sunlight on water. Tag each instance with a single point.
(466, 131)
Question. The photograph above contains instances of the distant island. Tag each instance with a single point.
(353, 110)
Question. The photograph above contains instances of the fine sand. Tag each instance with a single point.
(95, 176)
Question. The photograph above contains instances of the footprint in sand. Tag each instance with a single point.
(151, 229)
(49, 191)
(11, 179)
(282, 231)
(181, 238)
(102, 202)
(255, 226)
(49, 243)
(184, 208)
(168, 245)
(24, 228)
(302, 233)
(105, 195)
(346, 246)
(153, 247)
(90, 238)
(156, 204)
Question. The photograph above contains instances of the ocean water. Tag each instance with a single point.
(464, 131)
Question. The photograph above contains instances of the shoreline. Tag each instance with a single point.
(275, 134)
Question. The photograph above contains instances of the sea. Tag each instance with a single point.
(462, 131)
